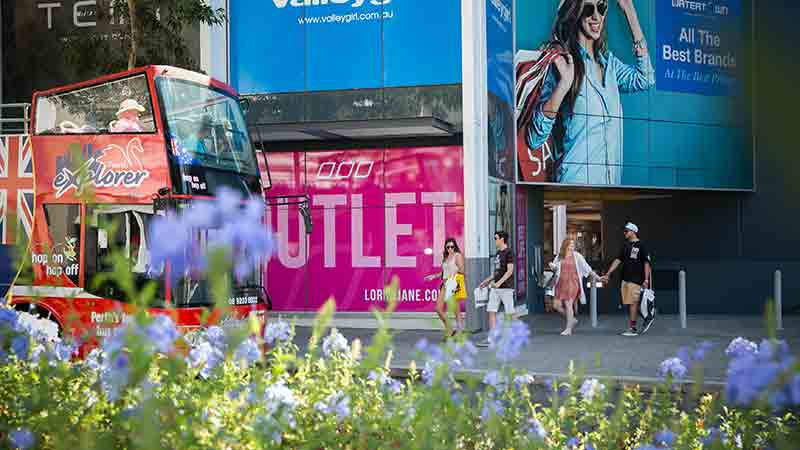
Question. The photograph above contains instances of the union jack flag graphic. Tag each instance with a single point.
(16, 185)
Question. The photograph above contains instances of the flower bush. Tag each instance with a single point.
(139, 390)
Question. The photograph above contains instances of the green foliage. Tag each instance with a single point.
(158, 35)
(319, 398)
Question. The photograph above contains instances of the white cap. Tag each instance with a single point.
(130, 104)
(632, 227)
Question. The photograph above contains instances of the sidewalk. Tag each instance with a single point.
(602, 352)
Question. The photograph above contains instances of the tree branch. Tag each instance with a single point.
(134, 34)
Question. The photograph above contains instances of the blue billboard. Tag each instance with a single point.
(698, 47)
(284, 46)
(636, 93)
(500, 85)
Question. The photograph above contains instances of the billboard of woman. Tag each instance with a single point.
(615, 95)
(580, 100)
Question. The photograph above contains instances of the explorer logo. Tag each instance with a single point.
(112, 166)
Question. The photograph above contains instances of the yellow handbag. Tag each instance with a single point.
(461, 290)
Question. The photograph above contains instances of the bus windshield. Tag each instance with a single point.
(206, 127)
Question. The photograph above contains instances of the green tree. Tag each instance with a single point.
(139, 32)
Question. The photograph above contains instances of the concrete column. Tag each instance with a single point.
(559, 226)
(476, 164)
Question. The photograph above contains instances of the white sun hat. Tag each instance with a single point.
(130, 104)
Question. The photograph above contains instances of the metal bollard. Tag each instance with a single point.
(682, 297)
(593, 303)
(778, 290)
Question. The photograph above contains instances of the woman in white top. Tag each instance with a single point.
(570, 269)
(452, 267)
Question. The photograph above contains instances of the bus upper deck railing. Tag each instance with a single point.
(15, 118)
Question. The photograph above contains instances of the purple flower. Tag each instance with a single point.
(334, 343)
(115, 376)
(277, 332)
(523, 380)
(664, 438)
(430, 351)
(449, 358)
(508, 338)
(21, 345)
(116, 341)
(463, 354)
(535, 429)
(749, 377)
(162, 333)
(203, 215)
(492, 407)
(648, 447)
(21, 438)
(702, 349)
(794, 390)
(714, 435)
(37, 352)
(248, 352)
(8, 318)
(672, 367)
(573, 442)
(270, 427)
(496, 380)
(385, 381)
(429, 372)
(248, 238)
(590, 388)
(205, 356)
(62, 351)
(740, 346)
(238, 229)
(278, 397)
(181, 250)
(216, 337)
(691, 357)
(336, 404)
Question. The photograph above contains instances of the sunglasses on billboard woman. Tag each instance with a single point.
(589, 8)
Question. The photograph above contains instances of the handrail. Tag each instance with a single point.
(21, 118)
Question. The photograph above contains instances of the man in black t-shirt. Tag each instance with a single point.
(636, 272)
(501, 282)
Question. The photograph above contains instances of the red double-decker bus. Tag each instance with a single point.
(109, 154)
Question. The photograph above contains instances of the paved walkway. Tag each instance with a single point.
(601, 351)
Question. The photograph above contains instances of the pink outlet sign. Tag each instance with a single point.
(377, 213)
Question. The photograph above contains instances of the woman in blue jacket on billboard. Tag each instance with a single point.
(580, 98)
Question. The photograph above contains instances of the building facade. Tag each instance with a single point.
(400, 124)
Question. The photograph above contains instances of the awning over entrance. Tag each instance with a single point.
(352, 129)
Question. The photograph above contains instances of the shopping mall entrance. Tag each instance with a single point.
(587, 217)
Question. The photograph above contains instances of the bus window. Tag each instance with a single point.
(118, 229)
(64, 224)
(119, 106)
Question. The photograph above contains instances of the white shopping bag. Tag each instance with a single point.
(647, 307)
(481, 296)
(450, 287)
